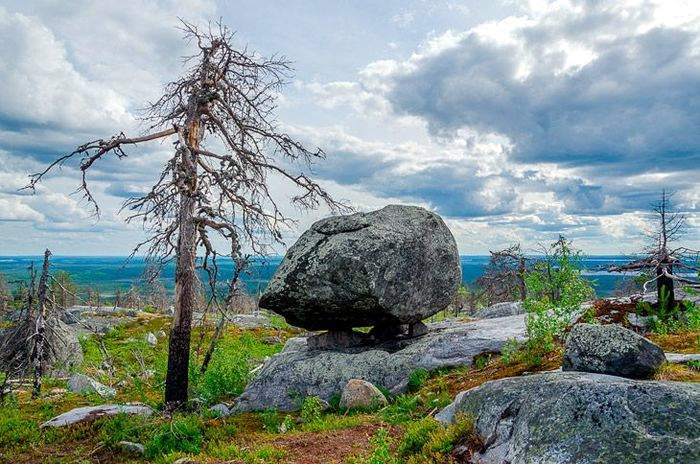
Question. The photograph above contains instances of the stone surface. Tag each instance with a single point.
(250, 321)
(572, 417)
(299, 371)
(131, 448)
(80, 383)
(361, 394)
(220, 410)
(682, 358)
(611, 349)
(397, 265)
(91, 413)
(337, 339)
(509, 308)
(151, 339)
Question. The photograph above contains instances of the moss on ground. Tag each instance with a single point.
(402, 432)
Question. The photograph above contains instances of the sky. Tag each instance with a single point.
(515, 121)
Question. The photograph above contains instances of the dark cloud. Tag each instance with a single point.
(632, 108)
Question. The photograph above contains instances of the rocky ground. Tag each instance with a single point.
(461, 356)
(379, 383)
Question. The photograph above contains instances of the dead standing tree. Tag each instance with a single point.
(661, 260)
(504, 276)
(227, 145)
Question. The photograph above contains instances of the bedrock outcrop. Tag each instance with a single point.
(301, 370)
(573, 417)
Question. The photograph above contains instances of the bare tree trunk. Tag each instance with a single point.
(176, 382)
(214, 341)
(664, 285)
(521, 278)
(37, 355)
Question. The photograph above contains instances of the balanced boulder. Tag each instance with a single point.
(576, 417)
(611, 349)
(394, 266)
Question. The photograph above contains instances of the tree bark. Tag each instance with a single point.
(40, 328)
(664, 284)
(521, 278)
(176, 382)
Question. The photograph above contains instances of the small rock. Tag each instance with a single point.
(611, 349)
(91, 413)
(638, 323)
(250, 321)
(80, 383)
(272, 340)
(131, 448)
(682, 358)
(151, 339)
(161, 334)
(220, 410)
(185, 461)
(361, 394)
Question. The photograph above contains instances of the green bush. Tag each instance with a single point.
(311, 409)
(555, 289)
(381, 450)
(182, 434)
(417, 379)
(124, 427)
(428, 442)
(417, 436)
(14, 430)
(403, 409)
(229, 369)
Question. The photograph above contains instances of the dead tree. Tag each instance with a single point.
(504, 276)
(39, 335)
(227, 144)
(661, 259)
(5, 296)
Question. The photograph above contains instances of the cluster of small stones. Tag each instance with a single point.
(387, 269)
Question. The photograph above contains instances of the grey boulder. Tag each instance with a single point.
(572, 417)
(300, 370)
(611, 349)
(80, 383)
(509, 308)
(361, 394)
(91, 413)
(397, 265)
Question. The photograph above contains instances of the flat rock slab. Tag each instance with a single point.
(250, 321)
(91, 413)
(574, 417)
(682, 358)
(299, 371)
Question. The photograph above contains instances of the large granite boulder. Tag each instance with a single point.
(571, 417)
(300, 370)
(611, 349)
(397, 265)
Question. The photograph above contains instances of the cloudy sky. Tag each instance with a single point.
(515, 120)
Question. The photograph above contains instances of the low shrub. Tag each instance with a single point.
(311, 409)
(182, 434)
(417, 379)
